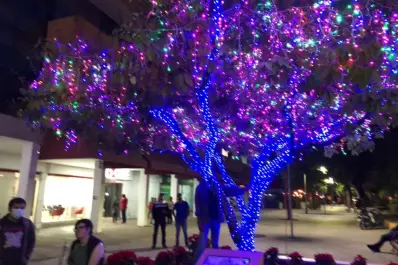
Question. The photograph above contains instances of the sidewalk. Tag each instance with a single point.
(335, 233)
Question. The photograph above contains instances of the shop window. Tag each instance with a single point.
(67, 198)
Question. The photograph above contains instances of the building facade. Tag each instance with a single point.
(61, 190)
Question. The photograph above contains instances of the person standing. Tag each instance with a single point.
(170, 204)
(159, 213)
(150, 206)
(182, 211)
(115, 209)
(17, 235)
(86, 249)
(123, 207)
(209, 217)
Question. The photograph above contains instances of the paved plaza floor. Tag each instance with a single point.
(334, 233)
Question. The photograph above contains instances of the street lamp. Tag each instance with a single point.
(329, 180)
(323, 169)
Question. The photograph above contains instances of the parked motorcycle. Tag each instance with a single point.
(370, 218)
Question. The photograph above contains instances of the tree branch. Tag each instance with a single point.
(175, 128)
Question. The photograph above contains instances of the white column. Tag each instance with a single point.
(97, 206)
(27, 173)
(195, 185)
(40, 197)
(142, 210)
(173, 187)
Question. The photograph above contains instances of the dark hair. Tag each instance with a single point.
(87, 223)
(16, 200)
(124, 195)
(179, 194)
(161, 194)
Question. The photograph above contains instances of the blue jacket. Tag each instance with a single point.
(207, 205)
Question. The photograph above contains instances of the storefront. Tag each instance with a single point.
(117, 182)
(66, 198)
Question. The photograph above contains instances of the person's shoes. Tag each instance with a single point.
(153, 247)
(164, 246)
(374, 248)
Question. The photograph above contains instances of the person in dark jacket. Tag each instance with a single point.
(17, 235)
(86, 249)
(209, 214)
(160, 210)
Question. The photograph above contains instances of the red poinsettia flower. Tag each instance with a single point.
(226, 247)
(128, 255)
(165, 255)
(359, 260)
(145, 261)
(323, 257)
(178, 250)
(295, 255)
(272, 251)
(114, 259)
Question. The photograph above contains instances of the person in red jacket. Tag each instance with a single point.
(123, 207)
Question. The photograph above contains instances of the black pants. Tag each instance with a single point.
(169, 217)
(393, 235)
(162, 225)
(124, 216)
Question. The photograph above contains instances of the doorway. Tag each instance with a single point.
(113, 192)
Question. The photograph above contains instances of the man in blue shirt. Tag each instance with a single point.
(181, 209)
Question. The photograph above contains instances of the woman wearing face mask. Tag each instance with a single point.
(86, 249)
(17, 235)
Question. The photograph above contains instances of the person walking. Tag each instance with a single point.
(123, 207)
(86, 249)
(182, 211)
(159, 214)
(17, 235)
(170, 204)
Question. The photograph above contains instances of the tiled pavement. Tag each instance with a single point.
(335, 233)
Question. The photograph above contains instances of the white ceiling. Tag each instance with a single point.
(11, 145)
(83, 163)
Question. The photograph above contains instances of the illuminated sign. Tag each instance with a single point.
(117, 173)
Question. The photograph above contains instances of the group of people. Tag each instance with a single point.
(119, 205)
(161, 214)
(18, 239)
(17, 233)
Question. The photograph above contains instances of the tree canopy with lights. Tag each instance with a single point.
(254, 78)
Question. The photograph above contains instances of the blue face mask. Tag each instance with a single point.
(17, 213)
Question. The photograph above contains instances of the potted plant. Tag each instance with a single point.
(145, 261)
(295, 258)
(324, 259)
(122, 258)
(181, 255)
(359, 260)
(271, 256)
(166, 257)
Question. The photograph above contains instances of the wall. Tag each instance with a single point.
(154, 186)
(8, 189)
(13, 162)
(130, 189)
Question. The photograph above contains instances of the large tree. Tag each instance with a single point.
(253, 78)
